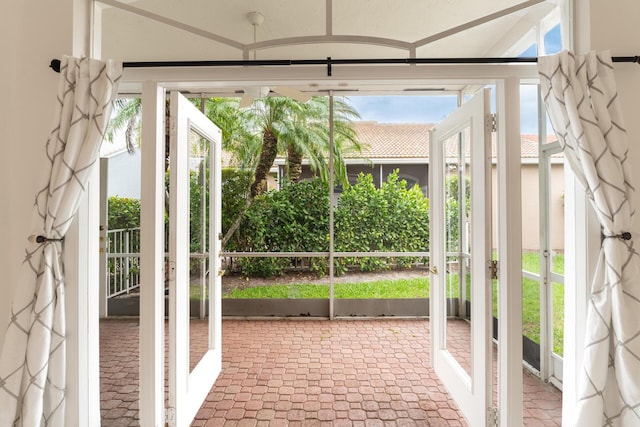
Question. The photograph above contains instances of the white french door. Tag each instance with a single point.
(194, 205)
(461, 286)
(194, 225)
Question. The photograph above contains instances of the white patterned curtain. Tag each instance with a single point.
(32, 363)
(581, 97)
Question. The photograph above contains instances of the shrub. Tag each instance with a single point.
(124, 212)
(292, 219)
(392, 218)
(295, 218)
(235, 189)
(452, 211)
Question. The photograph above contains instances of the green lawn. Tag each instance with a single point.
(402, 288)
(419, 288)
(531, 301)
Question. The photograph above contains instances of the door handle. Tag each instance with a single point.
(433, 269)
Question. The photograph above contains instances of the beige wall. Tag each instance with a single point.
(614, 26)
(32, 33)
(531, 211)
(531, 207)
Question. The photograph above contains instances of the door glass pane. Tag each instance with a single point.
(199, 217)
(457, 206)
(531, 267)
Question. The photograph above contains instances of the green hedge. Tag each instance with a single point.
(295, 218)
(124, 213)
(390, 218)
(235, 190)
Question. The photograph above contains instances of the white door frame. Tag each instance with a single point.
(152, 257)
(510, 261)
(509, 214)
(471, 390)
(152, 262)
(155, 83)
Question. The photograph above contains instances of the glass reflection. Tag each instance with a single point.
(199, 218)
(457, 198)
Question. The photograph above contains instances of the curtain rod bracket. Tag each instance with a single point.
(55, 65)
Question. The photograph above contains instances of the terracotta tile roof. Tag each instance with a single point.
(392, 140)
(411, 140)
(529, 145)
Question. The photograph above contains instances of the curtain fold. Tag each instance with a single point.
(33, 358)
(582, 100)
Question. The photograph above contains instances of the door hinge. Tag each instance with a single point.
(170, 417)
(493, 269)
(491, 122)
(492, 417)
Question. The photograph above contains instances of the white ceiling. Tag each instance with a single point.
(157, 30)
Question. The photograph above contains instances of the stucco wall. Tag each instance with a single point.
(124, 175)
(531, 210)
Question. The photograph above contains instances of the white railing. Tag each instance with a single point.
(123, 261)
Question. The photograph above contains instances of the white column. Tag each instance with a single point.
(82, 292)
(509, 255)
(152, 258)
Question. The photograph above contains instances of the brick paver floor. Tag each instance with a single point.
(310, 373)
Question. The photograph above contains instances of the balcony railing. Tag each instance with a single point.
(123, 261)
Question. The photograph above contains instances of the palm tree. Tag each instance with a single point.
(301, 130)
(273, 125)
(318, 151)
(224, 112)
(237, 137)
(127, 115)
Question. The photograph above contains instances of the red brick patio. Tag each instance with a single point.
(310, 373)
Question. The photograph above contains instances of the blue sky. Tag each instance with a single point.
(404, 109)
(432, 109)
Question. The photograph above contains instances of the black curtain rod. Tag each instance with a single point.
(55, 63)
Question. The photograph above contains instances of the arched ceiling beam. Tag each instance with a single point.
(289, 41)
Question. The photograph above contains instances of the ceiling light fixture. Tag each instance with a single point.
(255, 19)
